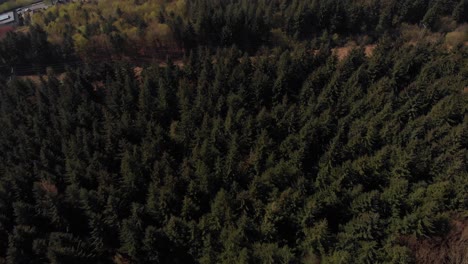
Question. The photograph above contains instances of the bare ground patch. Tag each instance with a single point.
(450, 249)
(343, 52)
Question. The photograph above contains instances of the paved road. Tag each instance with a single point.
(33, 7)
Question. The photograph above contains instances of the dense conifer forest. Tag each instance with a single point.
(260, 146)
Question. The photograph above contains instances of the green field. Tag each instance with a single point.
(12, 4)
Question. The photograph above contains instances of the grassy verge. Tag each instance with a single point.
(12, 4)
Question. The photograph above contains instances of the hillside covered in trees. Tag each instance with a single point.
(262, 146)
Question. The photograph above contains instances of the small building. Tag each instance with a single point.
(8, 19)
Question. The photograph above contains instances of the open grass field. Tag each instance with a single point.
(12, 4)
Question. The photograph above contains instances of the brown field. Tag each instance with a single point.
(4, 30)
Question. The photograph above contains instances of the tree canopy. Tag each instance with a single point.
(248, 151)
